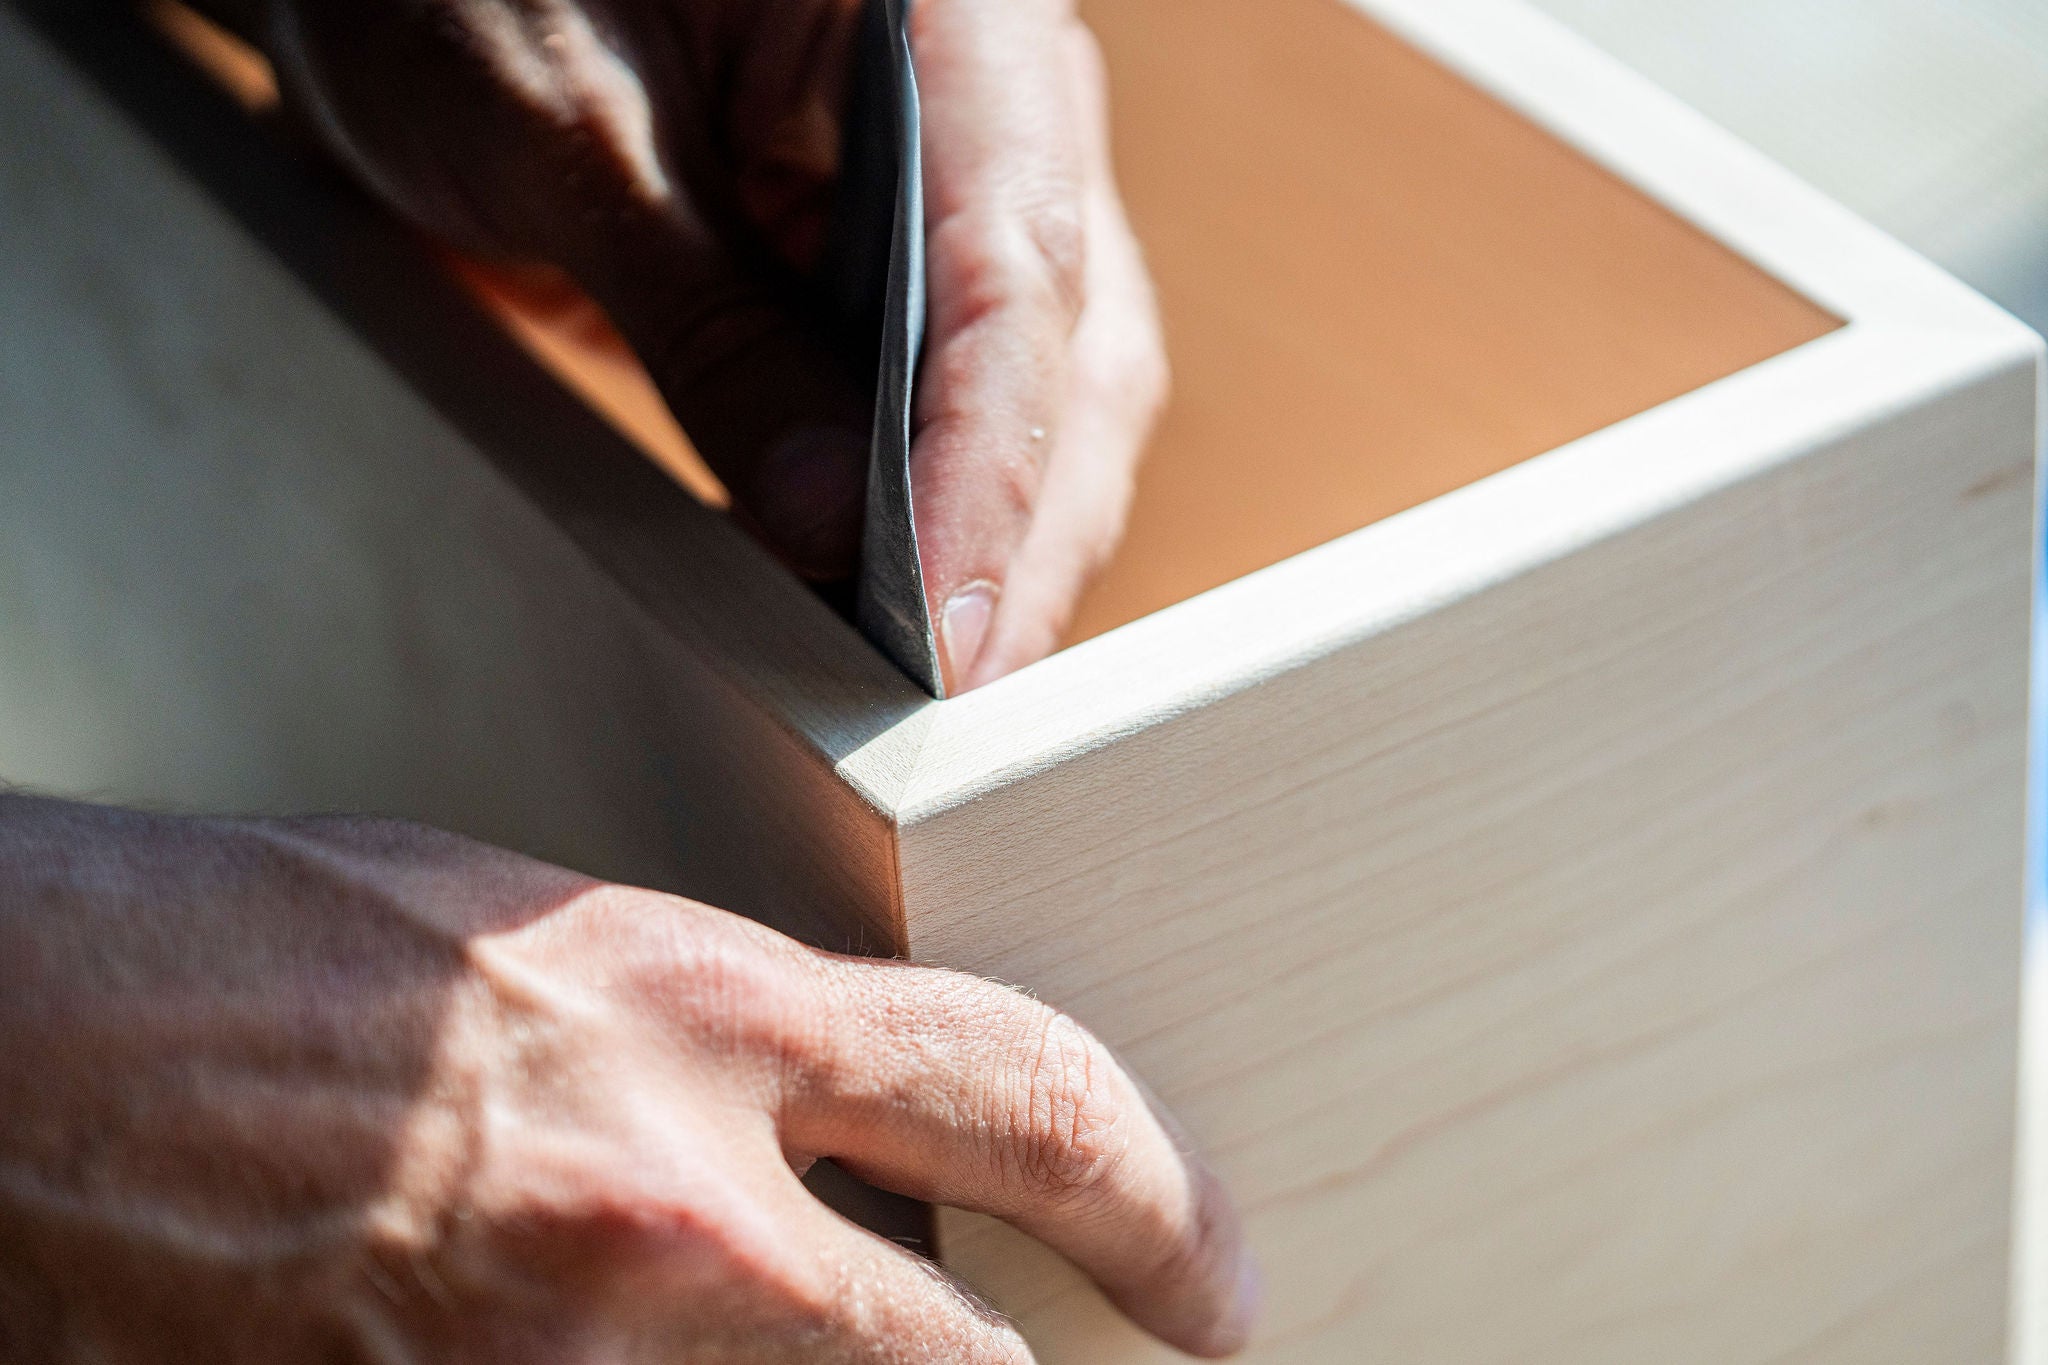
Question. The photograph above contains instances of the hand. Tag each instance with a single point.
(347, 1089)
(678, 157)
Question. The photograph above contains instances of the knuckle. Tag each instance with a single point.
(1016, 479)
(994, 465)
(1034, 256)
(727, 986)
(1072, 1135)
(1130, 377)
(805, 1297)
(1085, 51)
(1101, 537)
(1149, 377)
(720, 983)
(724, 1245)
(1131, 364)
(1060, 245)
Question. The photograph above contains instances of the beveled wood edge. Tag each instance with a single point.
(1911, 333)
(1684, 161)
(1347, 593)
(2029, 1328)
(1910, 328)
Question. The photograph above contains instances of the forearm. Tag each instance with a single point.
(211, 1045)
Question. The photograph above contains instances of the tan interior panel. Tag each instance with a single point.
(1379, 284)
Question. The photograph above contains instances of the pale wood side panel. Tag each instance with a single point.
(1618, 965)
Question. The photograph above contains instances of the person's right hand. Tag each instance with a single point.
(680, 158)
(343, 1089)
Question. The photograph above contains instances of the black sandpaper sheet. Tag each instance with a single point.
(878, 276)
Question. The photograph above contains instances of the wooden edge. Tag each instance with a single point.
(1911, 329)
(695, 574)
(1684, 161)
(2029, 1325)
(1306, 608)
(1912, 332)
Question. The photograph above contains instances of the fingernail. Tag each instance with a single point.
(963, 629)
(807, 497)
(1248, 1302)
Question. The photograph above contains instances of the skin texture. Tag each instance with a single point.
(349, 1090)
(353, 1090)
(677, 158)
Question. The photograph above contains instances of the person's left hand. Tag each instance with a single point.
(678, 158)
(343, 1089)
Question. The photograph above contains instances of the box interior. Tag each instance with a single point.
(1378, 283)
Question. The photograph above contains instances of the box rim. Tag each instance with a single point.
(1910, 333)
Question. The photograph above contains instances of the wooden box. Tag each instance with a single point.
(1540, 793)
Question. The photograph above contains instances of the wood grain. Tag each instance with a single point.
(1617, 965)
(1578, 912)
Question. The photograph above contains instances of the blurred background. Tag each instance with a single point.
(1928, 117)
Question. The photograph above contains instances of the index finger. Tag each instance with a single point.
(1005, 260)
(954, 1090)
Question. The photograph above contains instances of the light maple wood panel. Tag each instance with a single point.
(1619, 966)
(1577, 911)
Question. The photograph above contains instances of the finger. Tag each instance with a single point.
(1116, 387)
(1005, 256)
(704, 1247)
(540, 140)
(953, 1090)
(763, 398)
(875, 1302)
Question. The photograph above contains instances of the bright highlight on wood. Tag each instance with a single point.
(1577, 906)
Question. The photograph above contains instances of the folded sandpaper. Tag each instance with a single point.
(876, 272)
